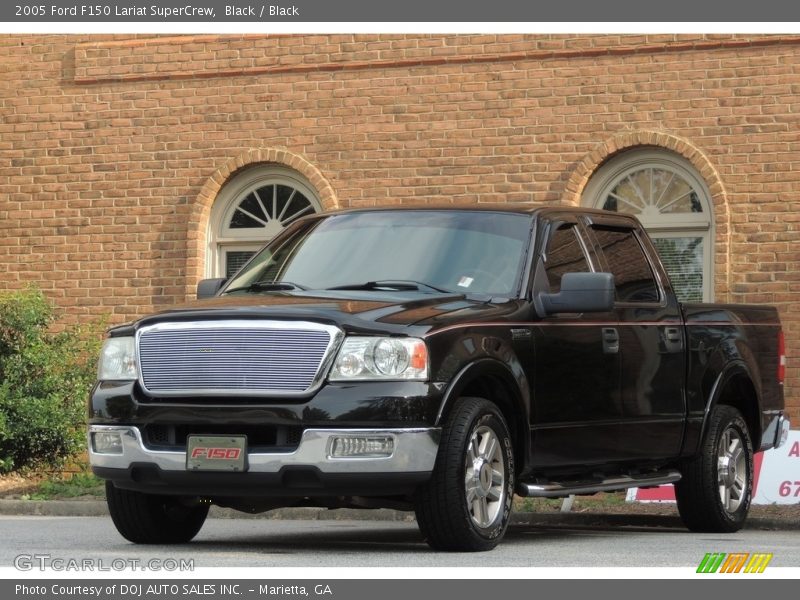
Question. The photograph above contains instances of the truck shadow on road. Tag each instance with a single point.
(337, 536)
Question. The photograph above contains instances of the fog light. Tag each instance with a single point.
(107, 442)
(361, 446)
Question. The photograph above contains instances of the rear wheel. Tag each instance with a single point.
(715, 490)
(152, 519)
(467, 502)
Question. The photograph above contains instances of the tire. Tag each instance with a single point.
(716, 487)
(466, 504)
(152, 519)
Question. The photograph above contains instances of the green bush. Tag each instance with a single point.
(80, 484)
(45, 378)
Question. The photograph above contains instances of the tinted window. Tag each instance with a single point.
(460, 251)
(564, 255)
(626, 259)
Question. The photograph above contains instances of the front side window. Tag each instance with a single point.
(473, 252)
(564, 255)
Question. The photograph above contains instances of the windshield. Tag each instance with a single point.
(468, 252)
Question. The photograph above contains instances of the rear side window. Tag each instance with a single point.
(564, 255)
(626, 259)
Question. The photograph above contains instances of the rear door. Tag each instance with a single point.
(651, 339)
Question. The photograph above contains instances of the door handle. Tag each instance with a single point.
(673, 339)
(610, 340)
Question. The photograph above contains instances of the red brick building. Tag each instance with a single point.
(134, 166)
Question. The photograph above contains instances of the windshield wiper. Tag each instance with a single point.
(263, 286)
(401, 285)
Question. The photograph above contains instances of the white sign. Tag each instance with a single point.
(779, 480)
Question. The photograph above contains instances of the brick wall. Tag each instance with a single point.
(114, 148)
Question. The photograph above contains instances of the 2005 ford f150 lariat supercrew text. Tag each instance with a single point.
(437, 360)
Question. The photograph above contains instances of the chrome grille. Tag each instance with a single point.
(233, 357)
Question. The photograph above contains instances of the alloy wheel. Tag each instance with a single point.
(731, 470)
(484, 477)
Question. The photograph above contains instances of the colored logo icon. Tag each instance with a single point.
(736, 562)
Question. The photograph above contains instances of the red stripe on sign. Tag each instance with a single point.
(757, 460)
(662, 493)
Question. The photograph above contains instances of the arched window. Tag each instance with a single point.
(251, 209)
(668, 196)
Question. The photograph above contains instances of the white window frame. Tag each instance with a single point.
(664, 225)
(222, 239)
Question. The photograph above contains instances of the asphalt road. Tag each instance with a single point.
(273, 543)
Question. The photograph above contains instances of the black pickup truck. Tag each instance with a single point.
(437, 360)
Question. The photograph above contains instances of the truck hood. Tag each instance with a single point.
(353, 311)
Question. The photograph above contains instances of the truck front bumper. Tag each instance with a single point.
(308, 470)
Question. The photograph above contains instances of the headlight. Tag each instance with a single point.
(117, 360)
(370, 358)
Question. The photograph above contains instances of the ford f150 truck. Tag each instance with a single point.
(437, 360)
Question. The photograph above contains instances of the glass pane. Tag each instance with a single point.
(625, 258)
(254, 207)
(564, 255)
(683, 259)
(297, 207)
(611, 204)
(239, 220)
(678, 197)
(627, 196)
(248, 214)
(640, 186)
(235, 259)
(459, 251)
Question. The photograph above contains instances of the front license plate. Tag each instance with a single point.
(216, 453)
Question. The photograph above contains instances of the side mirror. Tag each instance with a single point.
(581, 292)
(208, 288)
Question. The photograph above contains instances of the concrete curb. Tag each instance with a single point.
(635, 521)
(55, 508)
(98, 508)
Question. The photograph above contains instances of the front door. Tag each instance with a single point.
(576, 407)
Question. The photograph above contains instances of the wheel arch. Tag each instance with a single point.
(493, 380)
(735, 387)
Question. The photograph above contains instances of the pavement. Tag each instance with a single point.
(313, 544)
(98, 508)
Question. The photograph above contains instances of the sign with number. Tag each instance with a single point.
(779, 480)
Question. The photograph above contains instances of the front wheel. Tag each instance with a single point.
(152, 519)
(466, 504)
(716, 486)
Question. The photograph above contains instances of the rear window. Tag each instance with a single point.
(625, 258)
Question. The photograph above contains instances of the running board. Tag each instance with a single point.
(556, 489)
